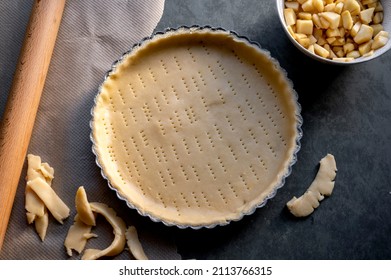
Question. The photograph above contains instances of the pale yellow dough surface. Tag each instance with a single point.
(77, 236)
(119, 229)
(83, 207)
(134, 244)
(36, 211)
(195, 128)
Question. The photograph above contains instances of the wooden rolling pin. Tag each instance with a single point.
(23, 100)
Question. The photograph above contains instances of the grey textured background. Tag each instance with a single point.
(92, 35)
(346, 112)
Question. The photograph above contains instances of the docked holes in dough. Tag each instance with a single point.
(134, 244)
(119, 228)
(322, 185)
(83, 207)
(78, 235)
(52, 201)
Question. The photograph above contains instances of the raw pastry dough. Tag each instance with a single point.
(134, 244)
(36, 169)
(41, 224)
(322, 185)
(83, 207)
(39, 196)
(80, 231)
(119, 228)
(52, 201)
(196, 127)
(77, 236)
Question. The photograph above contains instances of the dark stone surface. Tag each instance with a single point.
(346, 112)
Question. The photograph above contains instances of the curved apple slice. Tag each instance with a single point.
(322, 186)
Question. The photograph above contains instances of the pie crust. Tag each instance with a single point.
(196, 127)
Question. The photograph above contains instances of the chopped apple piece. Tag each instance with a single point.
(338, 8)
(378, 18)
(354, 54)
(300, 36)
(316, 20)
(342, 32)
(331, 53)
(319, 50)
(369, 53)
(379, 41)
(332, 18)
(305, 42)
(339, 42)
(348, 47)
(324, 24)
(318, 34)
(379, 7)
(311, 49)
(304, 15)
(377, 28)
(347, 20)
(364, 34)
(304, 26)
(290, 16)
(292, 5)
(318, 5)
(330, 7)
(365, 48)
(333, 33)
(291, 31)
(382, 33)
(352, 6)
(356, 27)
(313, 40)
(308, 6)
(331, 40)
(367, 15)
(340, 53)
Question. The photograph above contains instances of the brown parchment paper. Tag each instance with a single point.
(93, 34)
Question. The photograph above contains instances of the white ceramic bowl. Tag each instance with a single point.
(386, 24)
